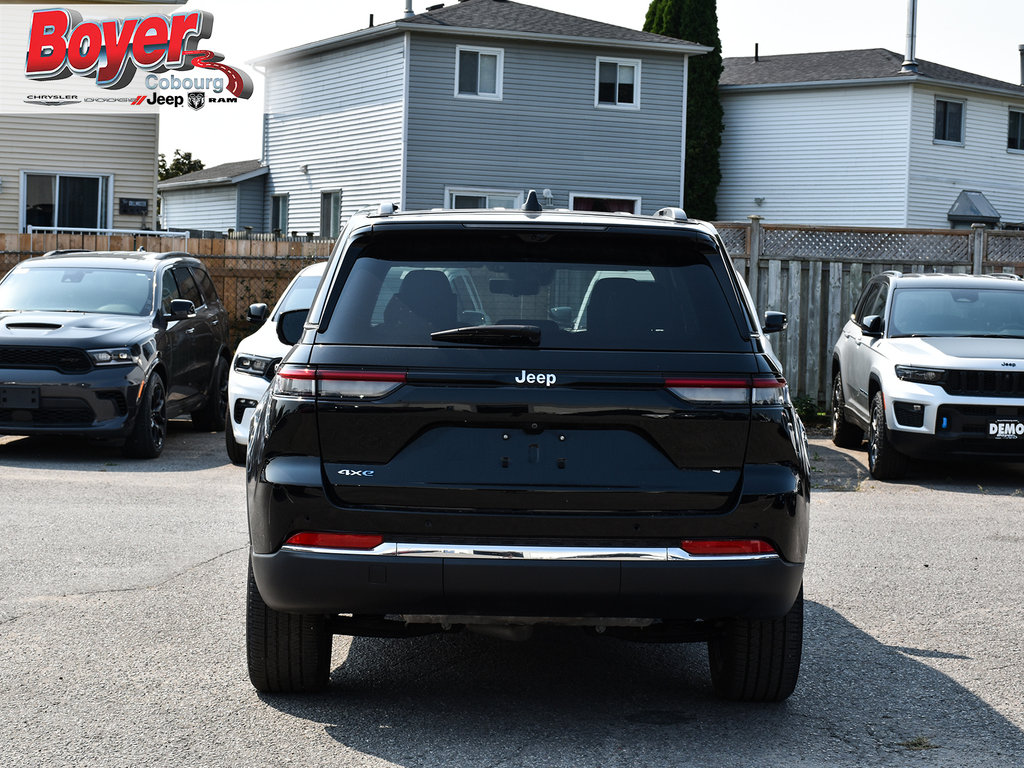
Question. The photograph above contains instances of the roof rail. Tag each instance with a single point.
(675, 214)
(893, 272)
(1004, 275)
(64, 251)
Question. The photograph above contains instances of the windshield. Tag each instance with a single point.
(579, 290)
(77, 289)
(299, 294)
(952, 311)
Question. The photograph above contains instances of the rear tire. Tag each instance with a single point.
(150, 429)
(758, 659)
(236, 452)
(844, 434)
(884, 461)
(286, 652)
(210, 417)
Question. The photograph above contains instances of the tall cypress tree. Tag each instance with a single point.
(697, 21)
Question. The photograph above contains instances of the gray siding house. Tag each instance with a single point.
(856, 138)
(228, 196)
(473, 105)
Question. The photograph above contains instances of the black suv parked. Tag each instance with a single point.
(111, 344)
(608, 444)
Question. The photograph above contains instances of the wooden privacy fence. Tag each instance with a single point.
(816, 274)
(813, 274)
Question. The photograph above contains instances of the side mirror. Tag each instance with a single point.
(181, 309)
(289, 325)
(872, 326)
(257, 314)
(775, 322)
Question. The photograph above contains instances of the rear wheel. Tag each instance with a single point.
(286, 652)
(884, 461)
(758, 659)
(210, 418)
(236, 452)
(150, 429)
(844, 434)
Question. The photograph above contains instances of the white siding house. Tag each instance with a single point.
(81, 171)
(471, 105)
(847, 138)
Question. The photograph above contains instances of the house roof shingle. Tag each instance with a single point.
(225, 173)
(839, 66)
(502, 18)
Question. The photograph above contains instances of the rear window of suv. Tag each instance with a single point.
(582, 290)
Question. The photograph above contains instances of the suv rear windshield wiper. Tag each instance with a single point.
(496, 335)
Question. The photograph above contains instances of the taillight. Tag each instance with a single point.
(729, 390)
(725, 547)
(336, 540)
(339, 385)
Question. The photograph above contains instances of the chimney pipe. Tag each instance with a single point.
(1021, 49)
(408, 9)
(756, 59)
(909, 63)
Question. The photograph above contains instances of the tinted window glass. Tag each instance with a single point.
(206, 284)
(74, 289)
(299, 294)
(187, 286)
(587, 291)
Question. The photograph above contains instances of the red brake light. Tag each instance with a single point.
(721, 390)
(705, 547)
(360, 385)
(336, 540)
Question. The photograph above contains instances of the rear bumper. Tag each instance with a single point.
(299, 580)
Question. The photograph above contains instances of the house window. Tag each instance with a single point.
(603, 203)
(330, 213)
(949, 121)
(478, 72)
(279, 213)
(482, 198)
(618, 83)
(1015, 133)
(66, 201)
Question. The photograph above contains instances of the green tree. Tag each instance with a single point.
(697, 22)
(180, 165)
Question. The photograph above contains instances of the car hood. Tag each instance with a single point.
(73, 329)
(957, 352)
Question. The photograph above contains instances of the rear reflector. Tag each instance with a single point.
(336, 540)
(705, 547)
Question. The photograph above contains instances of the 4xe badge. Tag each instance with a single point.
(196, 99)
(356, 472)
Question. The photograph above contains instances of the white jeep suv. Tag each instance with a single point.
(932, 366)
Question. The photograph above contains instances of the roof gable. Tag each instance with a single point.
(226, 173)
(845, 66)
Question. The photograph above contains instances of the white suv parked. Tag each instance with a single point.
(932, 366)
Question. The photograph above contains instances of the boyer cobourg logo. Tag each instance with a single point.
(112, 51)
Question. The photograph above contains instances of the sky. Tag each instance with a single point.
(981, 36)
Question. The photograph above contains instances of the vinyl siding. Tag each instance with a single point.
(124, 146)
(831, 156)
(339, 114)
(545, 132)
(939, 172)
(251, 211)
(213, 209)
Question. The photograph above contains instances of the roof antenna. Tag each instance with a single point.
(532, 204)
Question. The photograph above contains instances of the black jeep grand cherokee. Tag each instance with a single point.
(513, 418)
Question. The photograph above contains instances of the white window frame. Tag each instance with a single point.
(499, 75)
(107, 179)
(283, 196)
(605, 196)
(635, 63)
(451, 192)
(334, 214)
(963, 121)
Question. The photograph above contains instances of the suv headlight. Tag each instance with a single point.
(255, 365)
(920, 375)
(115, 356)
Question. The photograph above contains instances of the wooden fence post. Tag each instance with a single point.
(753, 266)
(978, 246)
